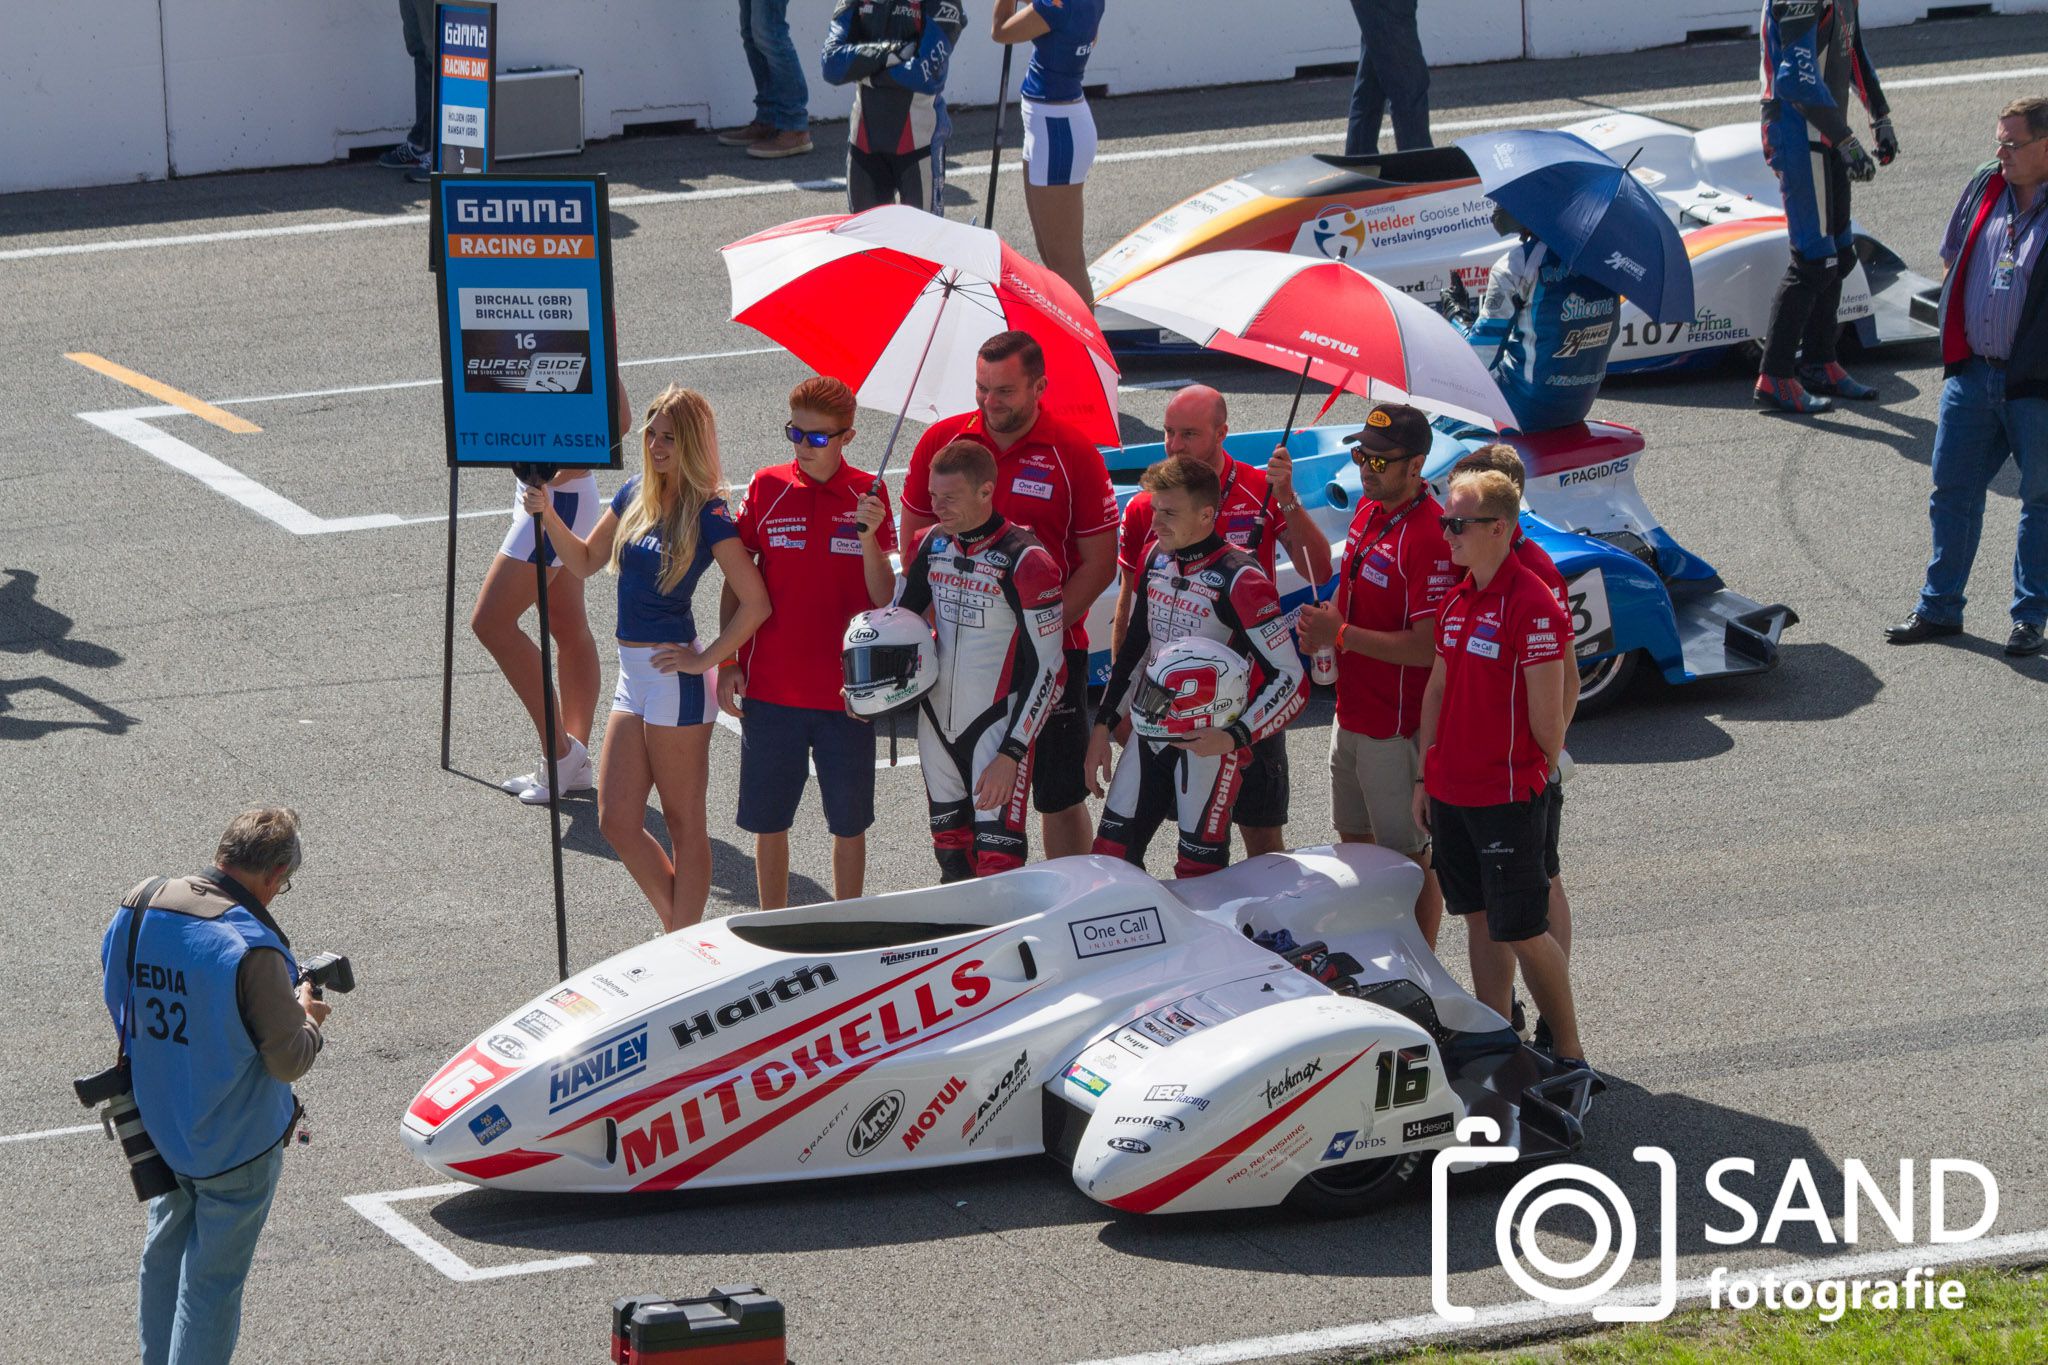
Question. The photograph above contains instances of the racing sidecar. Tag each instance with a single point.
(1415, 219)
(1636, 593)
(1130, 1028)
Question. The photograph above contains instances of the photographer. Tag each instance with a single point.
(215, 1024)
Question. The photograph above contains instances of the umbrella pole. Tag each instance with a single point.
(888, 450)
(995, 155)
(1286, 435)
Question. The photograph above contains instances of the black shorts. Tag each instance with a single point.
(779, 745)
(1262, 799)
(1061, 751)
(1490, 858)
(1553, 816)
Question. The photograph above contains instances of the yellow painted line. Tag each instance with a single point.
(220, 417)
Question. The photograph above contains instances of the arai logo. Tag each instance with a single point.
(863, 635)
(874, 1124)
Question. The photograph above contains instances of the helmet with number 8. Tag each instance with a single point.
(888, 660)
(1193, 684)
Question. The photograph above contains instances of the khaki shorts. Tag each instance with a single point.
(1372, 789)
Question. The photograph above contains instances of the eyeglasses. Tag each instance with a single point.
(1376, 463)
(285, 885)
(2001, 144)
(1455, 526)
(816, 440)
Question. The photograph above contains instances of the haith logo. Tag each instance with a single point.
(796, 985)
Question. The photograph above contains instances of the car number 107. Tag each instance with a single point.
(1653, 333)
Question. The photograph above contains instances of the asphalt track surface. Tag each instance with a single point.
(1809, 923)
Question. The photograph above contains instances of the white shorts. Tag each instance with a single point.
(664, 698)
(1059, 142)
(576, 501)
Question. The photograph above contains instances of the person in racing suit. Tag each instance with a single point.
(1195, 584)
(895, 54)
(995, 596)
(1543, 331)
(1812, 54)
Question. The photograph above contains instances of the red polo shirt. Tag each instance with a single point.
(1537, 560)
(1051, 481)
(804, 537)
(1485, 753)
(1394, 570)
(1242, 518)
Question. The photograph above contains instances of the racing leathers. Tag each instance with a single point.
(1544, 333)
(1214, 591)
(1812, 56)
(995, 597)
(897, 51)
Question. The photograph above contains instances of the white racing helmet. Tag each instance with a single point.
(1190, 686)
(888, 660)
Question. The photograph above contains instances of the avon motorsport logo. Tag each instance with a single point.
(1584, 1282)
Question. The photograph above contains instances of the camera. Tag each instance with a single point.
(328, 972)
(147, 1170)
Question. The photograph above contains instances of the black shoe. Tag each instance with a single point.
(1516, 1018)
(1916, 628)
(2025, 640)
(1541, 1039)
(403, 157)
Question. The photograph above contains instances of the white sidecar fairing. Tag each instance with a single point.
(1417, 219)
(1045, 1008)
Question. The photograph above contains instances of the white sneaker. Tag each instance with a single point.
(575, 769)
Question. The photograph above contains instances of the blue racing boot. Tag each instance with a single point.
(1788, 395)
(1831, 378)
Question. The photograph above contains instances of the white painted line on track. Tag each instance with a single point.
(1425, 1326)
(377, 1208)
(435, 383)
(52, 1132)
(1108, 158)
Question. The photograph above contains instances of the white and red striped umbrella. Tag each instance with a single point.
(1350, 331)
(896, 302)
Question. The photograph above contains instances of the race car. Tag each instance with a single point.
(1417, 219)
(1636, 593)
(1137, 1031)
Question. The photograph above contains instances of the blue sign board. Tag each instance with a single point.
(526, 302)
(465, 53)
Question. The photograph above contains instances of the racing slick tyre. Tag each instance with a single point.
(1356, 1186)
(1603, 681)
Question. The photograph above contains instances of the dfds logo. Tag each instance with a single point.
(1583, 1283)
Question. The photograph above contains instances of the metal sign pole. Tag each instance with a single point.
(539, 479)
(448, 627)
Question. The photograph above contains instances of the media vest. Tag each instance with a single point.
(206, 1099)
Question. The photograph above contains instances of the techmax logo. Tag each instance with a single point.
(1318, 339)
(795, 986)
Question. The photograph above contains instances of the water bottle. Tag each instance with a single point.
(1322, 667)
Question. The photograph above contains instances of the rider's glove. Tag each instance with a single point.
(1456, 301)
(906, 52)
(1887, 141)
(1856, 161)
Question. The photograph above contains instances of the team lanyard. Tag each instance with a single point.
(2007, 266)
(1393, 525)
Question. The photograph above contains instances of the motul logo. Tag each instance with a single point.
(929, 1119)
(1318, 339)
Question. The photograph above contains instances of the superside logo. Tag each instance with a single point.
(606, 1063)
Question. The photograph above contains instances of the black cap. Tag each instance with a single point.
(1393, 429)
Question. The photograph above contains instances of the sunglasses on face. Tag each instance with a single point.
(816, 440)
(1376, 463)
(1455, 526)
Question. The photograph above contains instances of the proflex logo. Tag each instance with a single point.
(717, 1100)
(1632, 268)
(795, 986)
(1318, 339)
(1291, 1080)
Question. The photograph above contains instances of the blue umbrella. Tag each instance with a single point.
(1586, 207)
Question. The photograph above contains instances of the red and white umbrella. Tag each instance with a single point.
(1342, 326)
(896, 302)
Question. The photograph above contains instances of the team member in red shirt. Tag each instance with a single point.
(1537, 560)
(1492, 727)
(1259, 513)
(1050, 480)
(799, 524)
(1382, 624)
